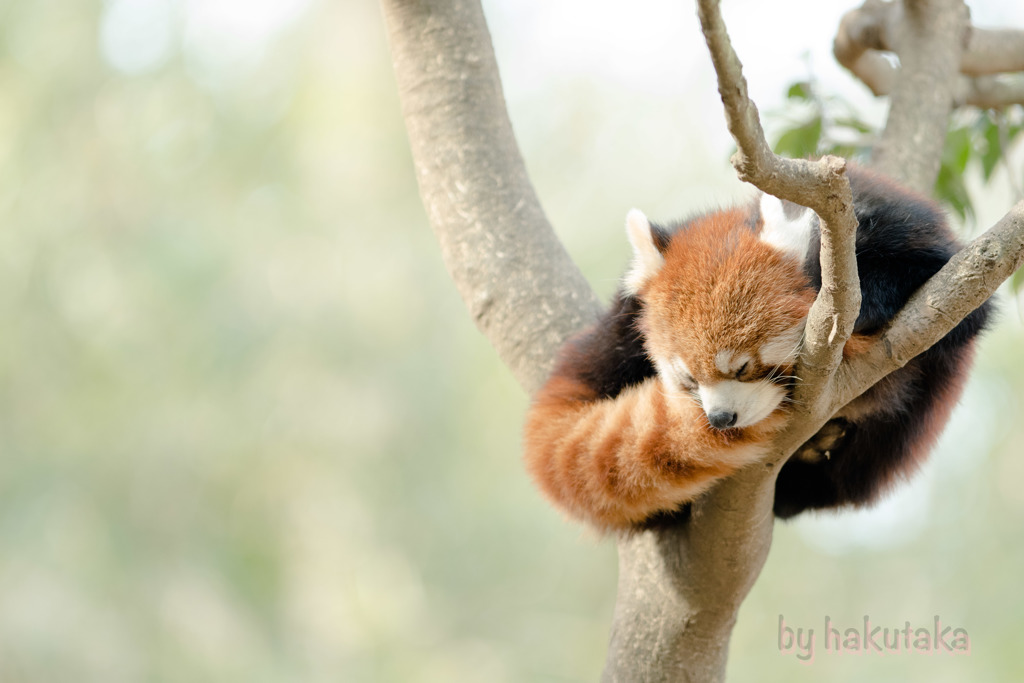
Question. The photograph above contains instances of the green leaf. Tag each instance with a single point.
(799, 91)
(949, 187)
(800, 142)
(854, 123)
(993, 149)
(1017, 281)
(847, 151)
(957, 151)
(993, 145)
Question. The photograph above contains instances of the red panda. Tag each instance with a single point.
(686, 378)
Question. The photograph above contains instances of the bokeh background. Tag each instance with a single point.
(247, 430)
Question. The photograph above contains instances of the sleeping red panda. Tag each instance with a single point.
(686, 378)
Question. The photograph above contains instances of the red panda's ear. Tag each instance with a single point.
(788, 233)
(647, 259)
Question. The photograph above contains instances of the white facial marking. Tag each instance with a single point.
(680, 367)
(647, 260)
(751, 401)
(782, 349)
(722, 360)
(666, 374)
(729, 362)
(673, 373)
(791, 235)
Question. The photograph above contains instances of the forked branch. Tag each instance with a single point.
(990, 65)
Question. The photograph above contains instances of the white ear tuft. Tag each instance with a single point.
(791, 235)
(647, 260)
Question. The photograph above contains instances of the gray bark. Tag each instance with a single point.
(519, 284)
(930, 43)
(989, 65)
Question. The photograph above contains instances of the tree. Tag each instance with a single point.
(680, 587)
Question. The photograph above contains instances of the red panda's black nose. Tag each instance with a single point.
(722, 419)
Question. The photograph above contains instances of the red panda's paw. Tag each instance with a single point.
(828, 439)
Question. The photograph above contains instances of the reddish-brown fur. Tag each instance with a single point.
(721, 288)
(616, 461)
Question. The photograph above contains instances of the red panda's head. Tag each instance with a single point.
(724, 308)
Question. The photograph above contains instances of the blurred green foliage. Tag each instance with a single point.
(981, 137)
(817, 125)
(233, 370)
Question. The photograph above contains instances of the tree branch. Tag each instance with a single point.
(991, 55)
(926, 34)
(875, 27)
(993, 51)
(989, 92)
(522, 289)
(963, 284)
(820, 185)
(929, 42)
(864, 33)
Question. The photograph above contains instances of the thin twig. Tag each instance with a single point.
(821, 185)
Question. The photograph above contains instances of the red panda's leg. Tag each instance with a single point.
(615, 462)
(891, 430)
